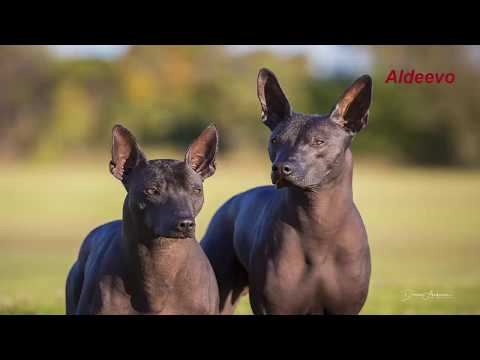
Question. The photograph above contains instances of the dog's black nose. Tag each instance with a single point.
(283, 168)
(186, 225)
(287, 169)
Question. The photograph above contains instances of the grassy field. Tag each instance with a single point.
(423, 226)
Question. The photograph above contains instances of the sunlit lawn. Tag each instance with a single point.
(423, 226)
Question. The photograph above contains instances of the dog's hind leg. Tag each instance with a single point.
(234, 281)
(217, 243)
(75, 278)
(73, 288)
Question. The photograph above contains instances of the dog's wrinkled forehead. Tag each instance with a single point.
(303, 127)
(167, 172)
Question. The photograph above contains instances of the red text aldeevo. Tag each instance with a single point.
(413, 77)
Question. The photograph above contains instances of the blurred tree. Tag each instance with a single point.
(82, 104)
(167, 94)
(172, 92)
(428, 123)
(27, 80)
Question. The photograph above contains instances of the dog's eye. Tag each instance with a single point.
(274, 140)
(318, 142)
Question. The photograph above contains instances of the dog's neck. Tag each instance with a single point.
(151, 264)
(324, 208)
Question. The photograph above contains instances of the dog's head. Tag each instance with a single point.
(163, 196)
(308, 151)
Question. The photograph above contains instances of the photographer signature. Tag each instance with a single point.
(428, 295)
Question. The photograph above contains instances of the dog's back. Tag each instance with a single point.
(80, 286)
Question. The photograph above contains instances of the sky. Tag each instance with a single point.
(96, 51)
(326, 59)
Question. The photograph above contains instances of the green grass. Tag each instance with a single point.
(423, 226)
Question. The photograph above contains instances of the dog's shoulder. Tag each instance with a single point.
(102, 234)
(259, 191)
(106, 230)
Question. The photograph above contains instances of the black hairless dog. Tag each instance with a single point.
(149, 262)
(300, 247)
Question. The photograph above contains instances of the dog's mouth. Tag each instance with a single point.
(281, 182)
(176, 235)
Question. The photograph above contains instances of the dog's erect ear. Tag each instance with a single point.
(275, 105)
(126, 154)
(201, 153)
(351, 111)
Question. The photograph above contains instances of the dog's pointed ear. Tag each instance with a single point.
(201, 153)
(351, 110)
(275, 105)
(126, 155)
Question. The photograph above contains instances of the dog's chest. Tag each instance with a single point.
(305, 281)
(169, 284)
(169, 300)
(291, 286)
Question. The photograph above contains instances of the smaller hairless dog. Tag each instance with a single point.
(149, 262)
(299, 248)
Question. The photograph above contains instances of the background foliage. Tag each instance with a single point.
(51, 106)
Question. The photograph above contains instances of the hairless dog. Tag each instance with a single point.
(149, 262)
(299, 247)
